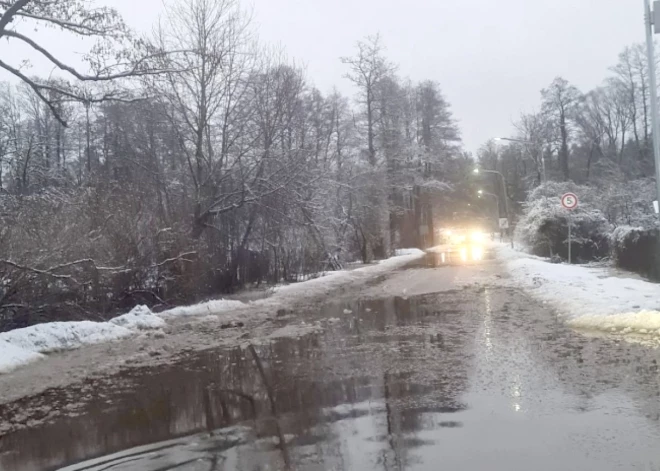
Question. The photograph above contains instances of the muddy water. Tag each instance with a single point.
(468, 379)
(452, 256)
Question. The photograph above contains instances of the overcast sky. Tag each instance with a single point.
(491, 57)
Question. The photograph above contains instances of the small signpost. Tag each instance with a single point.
(569, 201)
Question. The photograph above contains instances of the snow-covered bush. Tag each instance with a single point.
(543, 228)
(623, 235)
(634, 240)
(635, 249)
(629, 203)
(616, 219)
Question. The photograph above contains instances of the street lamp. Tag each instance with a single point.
(481, 193)
(652, 24)
(526, 143)
(511, 139)
(506, 196)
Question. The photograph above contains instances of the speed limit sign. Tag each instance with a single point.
(569, 201)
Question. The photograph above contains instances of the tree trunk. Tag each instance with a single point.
(370, 128)
(88, 150)
(563, 159)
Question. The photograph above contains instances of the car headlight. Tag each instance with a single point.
(477, 237)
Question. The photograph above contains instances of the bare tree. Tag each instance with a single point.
(367, 69)
(116, 55)
(232, 169)
(559, 101)
(534, 131)
(626, 77)
(204, 89)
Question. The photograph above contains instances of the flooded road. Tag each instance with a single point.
(468, 377)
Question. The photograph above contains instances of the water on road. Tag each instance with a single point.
(473, 377)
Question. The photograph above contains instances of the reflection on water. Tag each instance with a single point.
(459, 380)
(317, 380)
(474, 253)
(455, 256)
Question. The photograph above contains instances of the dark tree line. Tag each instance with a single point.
(196, 162)
(600, 138)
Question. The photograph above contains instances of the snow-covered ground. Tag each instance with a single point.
(400, 252)
(334, 279)
(207, 308)
(22, 346)
(593, 298)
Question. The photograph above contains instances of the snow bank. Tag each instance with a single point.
(642, 322)
(56, 336)
(595, 298)
(400, 259)
(12, 357)
(334, 279)
(306, 286)
(140, 318)
(21, 346)
(400, 252)
(203, 309)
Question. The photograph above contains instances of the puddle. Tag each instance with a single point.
(311, 376)
(454, 256)
(467, 379)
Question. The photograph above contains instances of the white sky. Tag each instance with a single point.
(491, 57)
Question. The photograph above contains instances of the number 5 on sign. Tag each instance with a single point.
(569, 201)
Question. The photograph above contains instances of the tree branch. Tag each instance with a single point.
(174, 259)
(49, 56)
(38, 271)
(73, 27)
(10, 13)
(133, 72)
(37, 90)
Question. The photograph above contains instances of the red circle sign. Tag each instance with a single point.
(569, 201)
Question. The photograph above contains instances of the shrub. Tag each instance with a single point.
(543, 228)
(635, 249)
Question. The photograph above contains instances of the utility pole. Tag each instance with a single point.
(506, 198)
(527, 145)
(480, 193)
(506, 208)
(652, 18)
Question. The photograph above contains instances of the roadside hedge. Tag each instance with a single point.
(543, 228)
(616, 221)
(636, 249)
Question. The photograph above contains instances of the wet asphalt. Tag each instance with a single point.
(473, 377)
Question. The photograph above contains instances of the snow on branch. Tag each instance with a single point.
(117, 55)
(438, 185)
